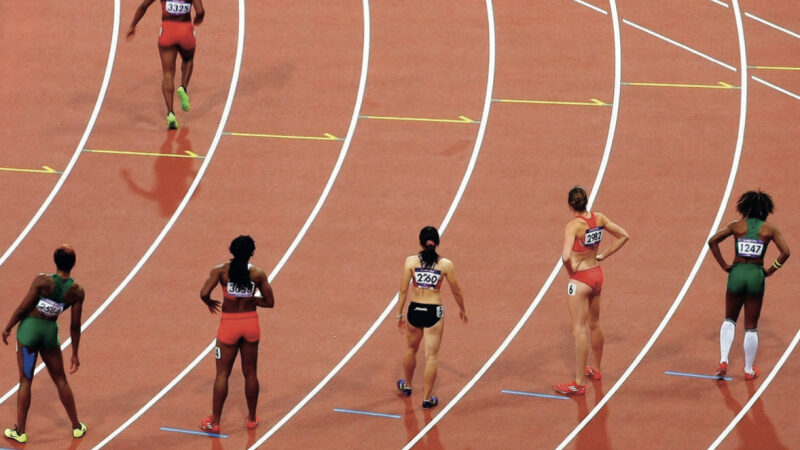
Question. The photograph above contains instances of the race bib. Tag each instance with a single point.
(238, 291)
(593, 237)
(572, 290)
(178, 8)
(49, 308)
(750, 248)
(427, 278)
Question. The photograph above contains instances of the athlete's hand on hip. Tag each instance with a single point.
(6, 333)
(131, 32)
(600, 257)
(75, 364)
(401, 325)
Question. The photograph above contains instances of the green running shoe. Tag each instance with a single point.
(13, 434)
(184, 98)
(172, 121)
(79, 432)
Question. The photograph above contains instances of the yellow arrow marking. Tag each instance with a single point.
(44, 169)
(324, 137)
(773, 67)
(188, 153)
(592, 102)
(461, 119)
(719, 85)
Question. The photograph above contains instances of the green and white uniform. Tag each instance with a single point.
(36, 333)
(748, 278)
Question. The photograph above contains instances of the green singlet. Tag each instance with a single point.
(748, 278)
(35, 332)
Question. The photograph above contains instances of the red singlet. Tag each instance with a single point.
(592, 238)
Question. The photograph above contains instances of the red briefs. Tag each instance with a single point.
(176, 33)
(235, 326)
(591, 277)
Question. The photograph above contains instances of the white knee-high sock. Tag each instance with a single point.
(750, 349)
(726, 333)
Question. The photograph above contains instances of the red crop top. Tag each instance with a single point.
(594, 235)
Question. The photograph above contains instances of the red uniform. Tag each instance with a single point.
(176, 26)
(239, 325)
(591, 277)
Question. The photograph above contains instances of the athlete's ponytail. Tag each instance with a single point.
(429, 240)
(242, 249)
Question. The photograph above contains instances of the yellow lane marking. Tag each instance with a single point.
(774, 67)
(461, 119)
(187, 153)
(44, 169)
(592, 102)
(324, 137)
(719, 85)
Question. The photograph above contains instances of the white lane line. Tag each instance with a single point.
(772, 25)
(777, 88)
(589, 5)
(699, 262)
(301, 234)
(720, 3)
(487, 103)
(598, 179)
(678, 44)
(112, 53)
(764, 385)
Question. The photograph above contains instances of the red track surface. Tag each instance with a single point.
(669, 164)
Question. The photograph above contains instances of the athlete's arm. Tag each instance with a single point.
(137, 16)
(78, 294)
(26, 306)
(405, 279)
(782, 247)
(713, 245)
(199, 12)
(267, 298)
(452, 280)
(566, 250)
(205, 292)
(616, 231)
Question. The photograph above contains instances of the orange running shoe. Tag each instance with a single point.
(722, 370)
(206, 425)
(592, 374)
(751, 376)
(570, 388)
(251, 424)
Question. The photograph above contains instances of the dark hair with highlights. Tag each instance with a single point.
(242, 249)
(429, 256)
(577, 199)
(755, 205)
(64, 259)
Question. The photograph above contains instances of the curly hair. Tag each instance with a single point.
(755, 205)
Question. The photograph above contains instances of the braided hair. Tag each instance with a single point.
(242, 249)
(755, 205)
(429, 239)
(577, 199)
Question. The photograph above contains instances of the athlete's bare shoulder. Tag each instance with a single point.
(257, 273)
(445, 264)
(75, 294)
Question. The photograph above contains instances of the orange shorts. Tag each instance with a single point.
(176, 33)
(591, 277)
(235, 326)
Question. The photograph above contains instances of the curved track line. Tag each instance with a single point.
(300, 235)
(168, 226)
(703, 252)
(442, 228)
(598, 179)
(112, 52)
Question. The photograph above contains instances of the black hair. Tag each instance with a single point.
(428, 255)
(242, 249)
(64, 258)
(755, 205)
(577, 199)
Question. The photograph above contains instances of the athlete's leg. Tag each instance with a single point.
(413, 339)
(187, 66)
(752, 312)
(579, 311)
(249, 352)
(26, 360)
(226, 356)
(433, 339)
(733, 305)
(168, 57)
(55, 367)
(595, 331)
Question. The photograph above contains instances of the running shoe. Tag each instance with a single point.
(206, 425)
(172, 121)
(184, 97)
(592, 374)
(13, 434)
(751, 376)
(251, 424)
(79, 432)
(570, 388)
(722, 370)
(402, 387)
(428, 404)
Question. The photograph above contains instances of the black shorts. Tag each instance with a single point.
(421, 315)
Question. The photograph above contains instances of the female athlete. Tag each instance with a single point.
(177, 35)
(751, 235)
(582, 262)
(425, 314)
(238, 331)
(48, 296)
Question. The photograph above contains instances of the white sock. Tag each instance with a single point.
(750, 349)
(726, 333)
